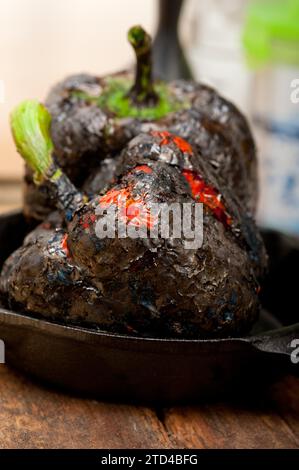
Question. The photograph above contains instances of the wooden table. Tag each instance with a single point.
(32, 416)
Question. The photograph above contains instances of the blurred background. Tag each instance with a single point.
(249, 50)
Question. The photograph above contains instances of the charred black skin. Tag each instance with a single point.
(83, 135)
(150, 287)
(41, 279)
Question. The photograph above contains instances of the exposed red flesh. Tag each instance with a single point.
(64, 245)
(143, 168)
(207, 195)
(166, 138)
(88, 220)
(131, 210)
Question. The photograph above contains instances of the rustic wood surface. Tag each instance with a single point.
(32, 416)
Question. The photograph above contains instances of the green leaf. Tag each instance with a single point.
(30, 125)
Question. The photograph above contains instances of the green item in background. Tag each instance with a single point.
(271, 32)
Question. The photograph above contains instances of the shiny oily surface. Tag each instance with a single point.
(138, 369)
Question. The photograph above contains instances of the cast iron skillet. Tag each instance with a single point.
(120, 367)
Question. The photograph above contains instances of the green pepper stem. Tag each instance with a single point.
(30, 125)
(142, 92)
